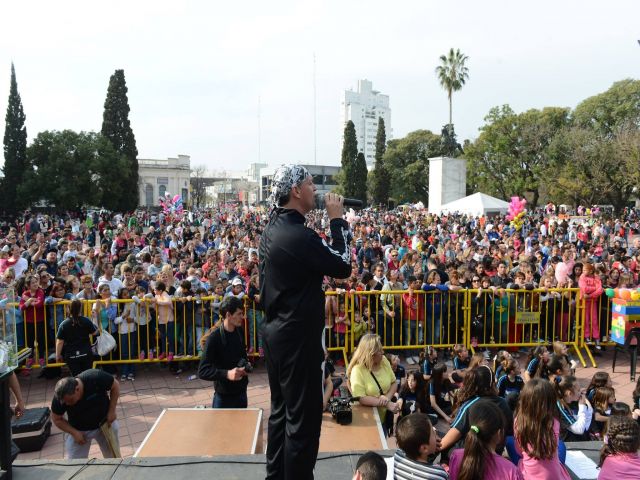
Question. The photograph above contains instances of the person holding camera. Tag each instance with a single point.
(224, 357)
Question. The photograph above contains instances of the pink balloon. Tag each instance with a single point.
(175, 198)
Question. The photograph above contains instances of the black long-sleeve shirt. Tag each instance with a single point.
(293, 261)
(221, 355)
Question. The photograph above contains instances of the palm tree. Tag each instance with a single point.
(452, 74)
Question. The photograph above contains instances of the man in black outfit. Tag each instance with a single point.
(88, 400)
(224, 358)
(293, 262)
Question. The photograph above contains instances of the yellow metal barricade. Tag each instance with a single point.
(504, 318)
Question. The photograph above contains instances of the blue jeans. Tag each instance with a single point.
(186, 334)
(128, 351)
(238, 400)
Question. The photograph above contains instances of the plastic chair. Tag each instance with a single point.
(631, 348)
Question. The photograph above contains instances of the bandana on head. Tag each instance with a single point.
(284, 179)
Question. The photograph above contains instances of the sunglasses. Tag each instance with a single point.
(475, 280)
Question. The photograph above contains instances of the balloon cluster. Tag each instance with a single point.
(550, 208)
(623, 293)
(171, 206)
(516, 212)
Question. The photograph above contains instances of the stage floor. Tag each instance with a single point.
(246, 467)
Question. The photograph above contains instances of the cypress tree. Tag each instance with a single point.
(349, 154)
(15, 148)
(117, 129)
(381, 182)
(360, 178)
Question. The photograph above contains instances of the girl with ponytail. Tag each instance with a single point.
(73, 346)
(479, 460)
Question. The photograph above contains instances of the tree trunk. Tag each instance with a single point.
(450, 109)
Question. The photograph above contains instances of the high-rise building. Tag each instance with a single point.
(363, 108)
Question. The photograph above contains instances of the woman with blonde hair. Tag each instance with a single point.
(371, 378)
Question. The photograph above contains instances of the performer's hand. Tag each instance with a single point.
(78, 437)
(333, 205)
(236, 374)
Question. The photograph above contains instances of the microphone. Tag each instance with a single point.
(347, 202)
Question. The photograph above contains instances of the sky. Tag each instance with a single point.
(197, 71)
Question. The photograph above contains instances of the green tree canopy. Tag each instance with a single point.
(360, 178)
(513, 153)
(380, 181)
(117, 129)
(347, 179)
(609, 112)
(70, 170)
(15, 148)
(407, 161)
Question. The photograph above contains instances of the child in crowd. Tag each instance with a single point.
(510, 385)
(165, 319)
(599, 379)
(478, 359)
(398, 369)
(620, 409)
(143, 315)
(428, 360)
(501, 361)
(561, 350)
(126, 323)
(536, 363)
(536, 432)
(619, 456)
(461, 362)
(479, 459)
(557, 367)
(439, 388)
(602, 401)
(413, 395)
(416, 440)
(574, 425)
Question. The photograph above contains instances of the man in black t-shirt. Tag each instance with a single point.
(88, 400)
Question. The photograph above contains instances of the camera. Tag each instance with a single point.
(244, 363)
(340, 409)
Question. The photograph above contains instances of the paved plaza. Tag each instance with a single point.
(157, 388)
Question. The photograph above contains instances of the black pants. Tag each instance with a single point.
(294, 357)
(79, 365)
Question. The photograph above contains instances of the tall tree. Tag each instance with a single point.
(198, 186)
(360, 178)
(117, 129)
(15, 148)
(407, 161)
(452, 74)
(380, 181)
(514, 153)
(347, 177)
(70, 170)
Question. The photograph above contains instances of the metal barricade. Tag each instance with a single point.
(503, 318)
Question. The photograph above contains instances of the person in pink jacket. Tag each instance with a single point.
(619, 456)
(590, 291)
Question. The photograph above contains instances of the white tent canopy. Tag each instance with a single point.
(476, 205)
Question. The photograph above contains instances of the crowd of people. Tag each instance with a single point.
(156, 283)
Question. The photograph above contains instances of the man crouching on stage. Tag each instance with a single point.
(293, 261)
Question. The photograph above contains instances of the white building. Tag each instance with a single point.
(363, 108)
(156, 177)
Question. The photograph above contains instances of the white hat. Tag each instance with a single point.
(236, 281)
(5, 249)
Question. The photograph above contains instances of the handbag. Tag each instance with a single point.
(105, 343)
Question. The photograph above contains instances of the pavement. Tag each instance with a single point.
(155, 388)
